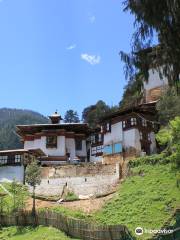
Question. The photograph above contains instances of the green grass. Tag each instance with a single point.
(20, 197)
(30, 233)
(69, 212)
(71, 196)
(147, 201)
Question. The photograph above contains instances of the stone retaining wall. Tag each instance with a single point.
(85, 180)
(78, 170)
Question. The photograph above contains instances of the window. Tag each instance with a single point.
(97, 151)
(117, 148)
(3, 160)
(124, 124)
(108, 127)
(144, 122)
(113, 148)
(51, 141)
(102, 130)
(100, 137)
(141, 135)
(17, 158)
(78, 144)
(108, 149)
(92, 138)
(133, 121)
(93, 151)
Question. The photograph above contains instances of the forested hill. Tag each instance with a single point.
(9, 118)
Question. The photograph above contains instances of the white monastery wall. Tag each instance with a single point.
(70, 147)
(83, 152)
(115, 135)
(9, 173)
(155, 80)
(132, 139)
(153, 143)
(41, 143)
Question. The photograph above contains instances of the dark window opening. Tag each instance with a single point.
(78, 144)
(51, 141)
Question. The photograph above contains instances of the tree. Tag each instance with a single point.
(168, 106)
(19, 195)
(71, 117)
(9, 118)
(93, 114)
(160, 17)
(170, 138)
(33, 178)
(132, 93)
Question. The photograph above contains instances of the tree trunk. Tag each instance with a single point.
(34, 203)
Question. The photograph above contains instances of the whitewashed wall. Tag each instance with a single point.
(41, 143)
(9, 173)
(154, 80)
(116, 134)
(131, 138)
(83, 152)
(153, 143)
(70, 146)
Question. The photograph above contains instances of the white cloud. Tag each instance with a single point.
(92, 59)
(92, 19)
(71, 47)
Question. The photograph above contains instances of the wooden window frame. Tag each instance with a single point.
(50, 143)
(77, 142)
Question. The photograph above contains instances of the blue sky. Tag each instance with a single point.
(62, 54)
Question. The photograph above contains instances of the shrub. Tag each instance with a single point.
(152, 160)
(170, 137)
(71, 196)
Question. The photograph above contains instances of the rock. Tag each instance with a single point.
(84, 197)
(60, 200)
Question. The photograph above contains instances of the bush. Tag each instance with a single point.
(71, 196)
(152, 160)
(170, 138)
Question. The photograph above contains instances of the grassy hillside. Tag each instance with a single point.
(9, 118)
(29, 233)
(147, 199)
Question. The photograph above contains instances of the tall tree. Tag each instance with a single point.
(132, 95)
(71, 116)
(92, 114)
(168, 106)
(33, 178)
(160, 17)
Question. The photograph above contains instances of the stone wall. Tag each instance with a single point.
(121, 160)
(83, 180)
(78, 170)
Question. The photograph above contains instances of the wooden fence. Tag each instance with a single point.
(71, 226)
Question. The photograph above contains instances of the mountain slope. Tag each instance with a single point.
(9, 118)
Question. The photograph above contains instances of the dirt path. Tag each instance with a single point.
(87, 206)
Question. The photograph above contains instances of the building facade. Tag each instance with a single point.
(60, 142)
(130, 132)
